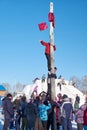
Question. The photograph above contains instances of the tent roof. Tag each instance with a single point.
(2, 88)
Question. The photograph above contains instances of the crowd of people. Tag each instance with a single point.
(40, 112)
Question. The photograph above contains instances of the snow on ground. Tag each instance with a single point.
(1, 117)
(70, 90)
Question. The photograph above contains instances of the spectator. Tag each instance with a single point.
(31, 115)
(43, 78)
(76, 106)
(79, 117)
(59, 96)
(23, 115)
(17, 120)
(8, 110)
(86, 97)
(59, 77)
(52, 116)
(17, 105)
(74, 84)
(58, 118)
(66, 113)
(63, 81)
(77, 99)
(34, 81)
(85, 118)
(43, 112)
(59, 85)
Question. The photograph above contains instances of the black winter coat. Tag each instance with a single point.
(8, 108)
(31, 114)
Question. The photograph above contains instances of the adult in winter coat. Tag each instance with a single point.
(79, 117)
(51, 116)
(66, 113)
(77, 99)
(85, 118)
(76, 106)
(43, 113)
(17, 114)
(31, 115)
(8, 110)
(38, 124)
(23, 116)
(47, 52)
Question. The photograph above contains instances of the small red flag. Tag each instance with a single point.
(42, 26)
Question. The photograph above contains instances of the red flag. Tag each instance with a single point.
(51, 18)
(42, 26)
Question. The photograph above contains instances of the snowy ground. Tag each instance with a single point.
(67, 89)
(1, 119)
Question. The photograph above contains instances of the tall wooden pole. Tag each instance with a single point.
(52, 79)
(52, 55)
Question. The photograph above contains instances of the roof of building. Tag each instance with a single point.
(2, 88)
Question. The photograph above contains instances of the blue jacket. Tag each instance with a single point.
(43, 111)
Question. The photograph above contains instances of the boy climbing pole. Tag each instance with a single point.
(47, 52)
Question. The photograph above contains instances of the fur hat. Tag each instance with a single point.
(65, 96)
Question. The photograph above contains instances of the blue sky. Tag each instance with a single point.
(22, 56)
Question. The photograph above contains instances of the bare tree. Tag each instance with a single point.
(84, 80)
(77, 81)
(84, 83)
(19, 87)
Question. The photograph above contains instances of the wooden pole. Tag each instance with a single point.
(52, 55)
(52, 79)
